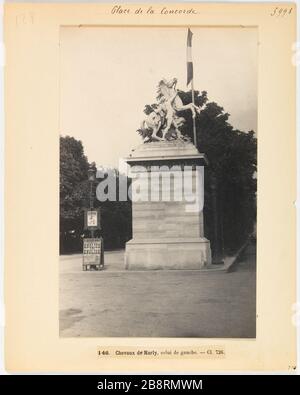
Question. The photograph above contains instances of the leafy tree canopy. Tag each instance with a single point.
(74, 196)
(232, 156)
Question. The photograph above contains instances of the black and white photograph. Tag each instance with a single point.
(158, 181)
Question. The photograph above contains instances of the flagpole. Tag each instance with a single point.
(190, 76)
(194, 118)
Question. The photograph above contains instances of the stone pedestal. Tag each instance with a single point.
(167, 208)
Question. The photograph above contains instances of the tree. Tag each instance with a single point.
(116, 215)
(73, 190)
(232, 156)
(230, 185)
(74, 197)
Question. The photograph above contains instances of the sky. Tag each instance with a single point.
(108, 74)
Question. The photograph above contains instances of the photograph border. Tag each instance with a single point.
(32, 341)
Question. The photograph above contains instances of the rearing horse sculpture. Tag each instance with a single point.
(164, 116)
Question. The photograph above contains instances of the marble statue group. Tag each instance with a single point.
(163, 121)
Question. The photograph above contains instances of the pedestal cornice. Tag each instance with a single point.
(166, 153)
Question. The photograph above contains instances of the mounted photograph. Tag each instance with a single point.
(158, 181)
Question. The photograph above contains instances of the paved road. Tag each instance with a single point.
(118, 303)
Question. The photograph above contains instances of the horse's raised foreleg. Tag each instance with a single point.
(191, 106)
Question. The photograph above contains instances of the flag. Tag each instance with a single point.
(189, 61)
